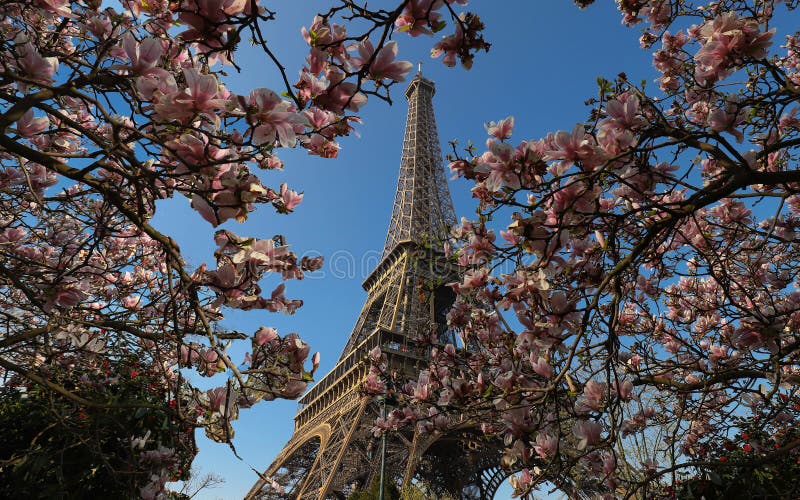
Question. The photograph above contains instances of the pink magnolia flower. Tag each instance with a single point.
(541, 367)
(319, 33)
(194, 153)
(153, 489)
(419, 16)
(587, 432)
(474, 278)
(511, 237)
(669, 60)
(340, 95)
(717, 353)
(570, 147)
(205, 91)
(236, 7)
(375, 354)
(497, 167)
(517, 421)
(373, 384)
(279, 303)
(323, 34)
(209, 359)
(296, 350)
(573, 196)
(273, 119)
(521, 482)
(57, 7)
(594, 392)
(384, 64)
(270, 162)
(727, 119)
(789, 122)
(205, 209)
(265, 335)
(658, 13)
(290, 198)
(68, 294)
(730, 211)
(32, 64)
(745, 338)
(97, 24)
(189, 355)
(625, 390)
(132, 301)
(12, 234)
(202, 97)
(321, 146)
(28, 126)
(143, 56)
(310, 85)
(546, 445)
(449, 46)
(321, 121)
(317, 63)
(502, 129)
(208, 21)
(422, 387)
(609, 463)
(159, 455)
(293, 389)
(625, 112)
(726, 40)
(154, 85)
(217, 398)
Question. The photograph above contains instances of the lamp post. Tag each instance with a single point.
(383, 449)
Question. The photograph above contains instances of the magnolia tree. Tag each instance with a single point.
(637, 278)
(106, 108)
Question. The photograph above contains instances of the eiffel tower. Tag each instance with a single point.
(333, 451)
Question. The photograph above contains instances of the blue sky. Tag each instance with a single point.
(543, 64)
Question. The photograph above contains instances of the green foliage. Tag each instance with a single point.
(56, 448)
(421, 492)
(761, 461)
(390, 491)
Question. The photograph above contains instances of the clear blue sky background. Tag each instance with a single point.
(545, 57)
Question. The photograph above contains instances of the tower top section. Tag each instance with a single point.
(423, 210)
(420, 81)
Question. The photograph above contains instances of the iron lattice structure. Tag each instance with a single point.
(333, 451)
